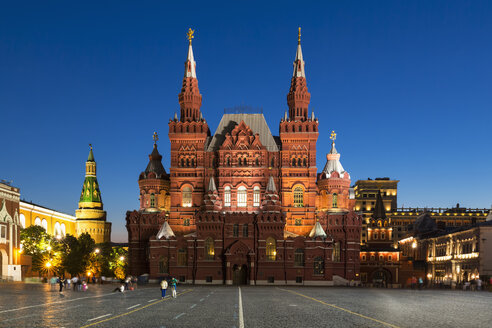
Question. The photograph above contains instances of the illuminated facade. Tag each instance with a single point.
(55, 223)
(10, 255)
(243, 206)
(449, 256)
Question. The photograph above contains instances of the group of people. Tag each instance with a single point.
(164, 285)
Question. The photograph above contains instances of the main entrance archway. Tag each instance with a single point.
(240, 274)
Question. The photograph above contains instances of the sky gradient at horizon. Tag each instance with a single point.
(406, 86)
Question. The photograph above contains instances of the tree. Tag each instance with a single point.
(77, 253)
(46, 252)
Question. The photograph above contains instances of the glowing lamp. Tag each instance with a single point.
(48, 265)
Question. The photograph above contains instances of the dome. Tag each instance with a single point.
(154, 169)
(424, 223)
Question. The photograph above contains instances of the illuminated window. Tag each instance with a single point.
(152, 200)
(319, 266)
(372, 258)
(37, 222)
(182, 257)
(227, 196)
(209, 249)
(381, 258)
(241, 196)
(63, 229)
(298, 197)
(299, 257)
(336, 252)
(3, 232)
(363, 257)
(44, 224)
(57, 229)
(163, 265)
(271, 249)
(335, 200)
(256, 196)
(186, 197)
(375, 236)
(23, 220)
(390, 258)
(235, 230)
(245, 230)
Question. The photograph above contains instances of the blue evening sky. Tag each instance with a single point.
(407, 85)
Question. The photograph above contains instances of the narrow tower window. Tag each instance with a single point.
(152, 200)
(186, 197)
(298, 197)
(241, 196)
(271, 249)
(335, 200)
(227, 196)
(256, 196)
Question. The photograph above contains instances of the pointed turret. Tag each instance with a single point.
(317, 231)
(271, 202)
(271, 189)
(165, 231)
(190, 99)
(379, 211)
(298, 97)
(211, 199)
(90, 215)
(90, 196)
(211, 185)
(333, 161)
(154, 169)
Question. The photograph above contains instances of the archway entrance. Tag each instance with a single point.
(3, 264)
(240, 274)
(381, 278)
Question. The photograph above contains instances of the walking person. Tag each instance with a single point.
(163, 288)
(61, 282)
(174, 282)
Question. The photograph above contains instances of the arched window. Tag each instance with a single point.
(271, 249)
(304, 162)
(319, 266)
(63, 229)
(240, 161)
(57, 229)
(336, 252)
(298, 197)
(335, 200)
(193, 162)
(163, 265)
(186, 197)
(293, 162)
(209, 249)
(375, 235)
(257, 162)
(228, 161)
(188, 162)
(152, 200)
(23, 220)
(379, 223)
(227, 196)
(299, 257)
(383, 235)
(242, 196)
(272, 163)
(44, 224)
(299, 162)
(182, 162)
(245, 230)
(235, 230)
(256, 196)
(37, 222)
(182, 257)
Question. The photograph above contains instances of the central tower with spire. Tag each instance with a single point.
(298, 135)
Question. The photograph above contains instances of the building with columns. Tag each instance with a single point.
(10, 226)
(244, 206)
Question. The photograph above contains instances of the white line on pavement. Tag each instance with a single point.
(102, 316)
(58, 302)
(179, 315)
(131, 307)
(191, 307)
(155, 299)
(201, 299)
(241, 318)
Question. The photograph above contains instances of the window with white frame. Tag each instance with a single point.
(37, 222)
(57, 229)
(256, 196)
(227, 196)
(186, 197)
(3, 232)
(23, 220)
(242, 196)
(44, 224)
(63, 229)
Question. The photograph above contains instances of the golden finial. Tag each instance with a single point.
(299, 36)
(190, 34)
(90, 145)
(333, 136)
(155, 137)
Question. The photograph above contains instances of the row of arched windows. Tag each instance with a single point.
(299, 162)
(60, 229)
(242, 196)
(187, 162)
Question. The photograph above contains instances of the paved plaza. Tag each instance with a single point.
(25, 305)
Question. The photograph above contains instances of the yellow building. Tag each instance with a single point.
(55, 223)
(90, 216)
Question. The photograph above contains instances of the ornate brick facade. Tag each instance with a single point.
(245, 206)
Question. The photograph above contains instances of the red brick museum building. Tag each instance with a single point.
(242, 206)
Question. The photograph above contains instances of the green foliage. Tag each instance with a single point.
(46, 252)
(77, 253)
(34, 240)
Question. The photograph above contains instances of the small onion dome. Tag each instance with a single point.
(333, 167)
(154, 169)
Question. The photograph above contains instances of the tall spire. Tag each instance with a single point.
(379, 211)
(298, 97)
(91, 195)
(190, 99)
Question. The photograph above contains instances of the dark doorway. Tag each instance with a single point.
(381, 278)
(239, 274)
